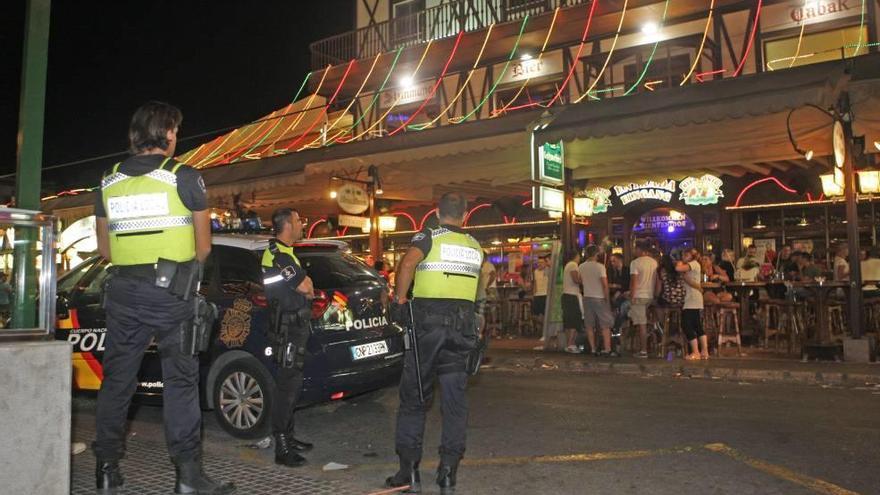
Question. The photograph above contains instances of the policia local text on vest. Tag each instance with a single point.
(444, 263)
(154, 227)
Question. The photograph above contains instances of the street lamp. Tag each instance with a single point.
(869, 181)
(829, 186)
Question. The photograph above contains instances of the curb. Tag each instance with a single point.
(683, 370)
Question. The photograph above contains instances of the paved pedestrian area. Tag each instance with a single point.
(148, 471)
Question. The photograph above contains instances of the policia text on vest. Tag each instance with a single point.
(444, 264)
(153, 225)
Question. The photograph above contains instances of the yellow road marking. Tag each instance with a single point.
(815, 484)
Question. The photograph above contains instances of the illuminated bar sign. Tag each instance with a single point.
(548, 198)
(705, 190)
(548, 163)
(658, 191)
(601, 199)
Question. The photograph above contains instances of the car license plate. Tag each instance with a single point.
(364, 351)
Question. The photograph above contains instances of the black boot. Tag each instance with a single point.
(407, 475)
(285, 452)
(191, 479)
(298, 445)
(108, 477)
(446, 477)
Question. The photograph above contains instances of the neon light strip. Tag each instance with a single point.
(577, 56)
(525, 83)
(653, 52)
(399, 96)
(610, 53)
(473, 210)
(800, 37)
(366, 110)
(783, 59)
(425, 218)
(460, 119)
(315, 224)
(742, 61)
(240, 131)
(699, 53)
(861, 30)
(463, 86)
(701, 77)
(293, 125)
(761, 181)
(412, 220)
(433, 89)
(277, 123)
(326, 107)
(347, 108)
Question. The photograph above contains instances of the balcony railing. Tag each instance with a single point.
(437, 22)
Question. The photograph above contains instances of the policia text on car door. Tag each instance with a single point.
(289, 290)
(154, 227)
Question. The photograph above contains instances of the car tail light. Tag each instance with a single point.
(259, 300)
(319, 303)
(337, 395)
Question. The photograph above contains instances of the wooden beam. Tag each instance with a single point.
(758, 169)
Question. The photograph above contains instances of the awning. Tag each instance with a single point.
(716, 126)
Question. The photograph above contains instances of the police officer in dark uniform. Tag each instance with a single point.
(289, 290)
(152, 223)
(445, 265)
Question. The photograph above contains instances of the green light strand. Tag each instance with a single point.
(279, 120)
(653, 51)
(378, 93)
(503, 72)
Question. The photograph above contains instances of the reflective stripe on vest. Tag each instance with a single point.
(146, 218)
(451, 269)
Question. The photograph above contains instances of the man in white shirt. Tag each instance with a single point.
(539, 288)
(597, 302)
(643, 280)
(691, 320)
(572, 318)
(841, 266)
(871, 272)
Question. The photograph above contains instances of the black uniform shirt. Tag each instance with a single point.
(282, 278)
(190, 185)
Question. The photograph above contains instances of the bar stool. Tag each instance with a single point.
(521, 315)
(671, 314)
(710, 322)
(771, 312)
(835, 320)
(492, 313)
(791, 323)
(728, 326)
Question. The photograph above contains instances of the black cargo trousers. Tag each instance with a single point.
(137, 311)
(446, 334)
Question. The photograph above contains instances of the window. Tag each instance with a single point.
(237, 265)
(70, 280)
(816, 47)
(662, 73)
(407, 25)
(334, 270)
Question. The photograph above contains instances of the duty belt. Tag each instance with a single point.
(147, 272)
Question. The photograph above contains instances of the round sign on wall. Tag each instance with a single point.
(352, 198)
(839, 144)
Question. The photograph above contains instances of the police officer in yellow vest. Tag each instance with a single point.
(445, 263)
(152, 223)
(289, 290)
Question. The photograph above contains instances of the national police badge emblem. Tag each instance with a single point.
(236, 325)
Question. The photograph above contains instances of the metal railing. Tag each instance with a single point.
(437, 22)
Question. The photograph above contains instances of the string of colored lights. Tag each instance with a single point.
(742, 61)
(702, 45)
(278, 121)
(797, 52)
(293, 125)
(376, 96)
(653, 52)
(464, 85)
(525, 83)
(396, 100)
(608, 58)
(577, 56)
(323, 112)
(207, 159)
(434, 88)
(463, 118)
(861, 30)
(350, 104)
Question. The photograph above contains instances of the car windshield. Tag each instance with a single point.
(335, 269)
(70, 280)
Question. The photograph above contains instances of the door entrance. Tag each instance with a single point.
(666, 229)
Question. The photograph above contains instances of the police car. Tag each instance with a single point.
(353, 348)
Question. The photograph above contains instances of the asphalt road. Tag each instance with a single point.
(554, 433)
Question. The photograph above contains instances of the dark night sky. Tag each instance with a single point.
(223, 63)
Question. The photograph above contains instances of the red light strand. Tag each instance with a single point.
(312, 228)
(578, 56)
(742, 61)
(761, 181)
(326, 107)
(425, 218)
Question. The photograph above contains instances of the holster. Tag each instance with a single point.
(291, 334)
(196, 333)
(181, 279)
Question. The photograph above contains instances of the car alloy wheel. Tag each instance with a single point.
(241, 400)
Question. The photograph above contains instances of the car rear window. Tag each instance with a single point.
(335, 269)
(237, 265)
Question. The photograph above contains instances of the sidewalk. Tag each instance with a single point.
(756, 365)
